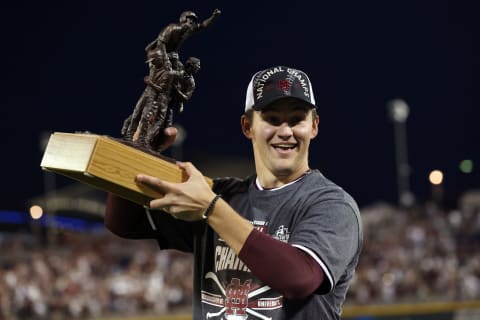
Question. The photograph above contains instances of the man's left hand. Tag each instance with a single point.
(187, 200)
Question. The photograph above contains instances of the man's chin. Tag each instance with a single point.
(283, 172)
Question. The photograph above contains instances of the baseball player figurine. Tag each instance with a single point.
(280, 244)
(168, 85)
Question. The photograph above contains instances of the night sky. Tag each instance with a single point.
(79, 66)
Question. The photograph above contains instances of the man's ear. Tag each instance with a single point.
(315, 122)
(245, 123)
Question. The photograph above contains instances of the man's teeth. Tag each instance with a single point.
(284, 146)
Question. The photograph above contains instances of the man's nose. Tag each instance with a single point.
(284, 130)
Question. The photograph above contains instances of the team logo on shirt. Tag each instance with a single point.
(239, 300)
(236, 299)
(282, 234)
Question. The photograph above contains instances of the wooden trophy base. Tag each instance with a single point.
(108, 164)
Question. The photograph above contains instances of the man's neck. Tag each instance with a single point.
(270, 181)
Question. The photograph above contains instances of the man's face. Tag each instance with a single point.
(281, 135)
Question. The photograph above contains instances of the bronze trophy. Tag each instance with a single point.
(111, 164)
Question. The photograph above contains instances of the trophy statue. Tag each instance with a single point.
(169, 83)
(111, 164)
(166, 91)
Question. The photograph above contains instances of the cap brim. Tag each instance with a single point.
(265, 104)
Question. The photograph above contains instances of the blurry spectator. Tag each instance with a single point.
(89, 277)
(417, 255)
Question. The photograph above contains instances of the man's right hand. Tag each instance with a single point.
(170, 135)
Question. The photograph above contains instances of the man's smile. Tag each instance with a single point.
(284, 147)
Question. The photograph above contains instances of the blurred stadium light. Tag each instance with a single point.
(77, 199)
(399, 111)
(466, 166)
(435, 177)
(36, 212)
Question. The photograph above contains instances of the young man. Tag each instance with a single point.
(281, 244)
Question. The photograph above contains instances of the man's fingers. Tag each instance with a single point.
(189, 168)
(171, 131)
(155, 183)
(170, 136)
(160, 204)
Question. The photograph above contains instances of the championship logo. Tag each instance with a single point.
(239, 301)
(284, 85)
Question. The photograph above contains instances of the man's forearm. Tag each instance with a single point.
(229, 225)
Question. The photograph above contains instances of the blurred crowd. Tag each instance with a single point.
(419, 254)
(86, 276)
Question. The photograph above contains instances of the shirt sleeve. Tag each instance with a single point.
(129, 220)
(328, 232)
(126, 219)
(281, 266)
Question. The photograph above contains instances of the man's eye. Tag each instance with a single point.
(274, 120)
(295, 120)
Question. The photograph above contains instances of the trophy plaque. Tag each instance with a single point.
(111, 164)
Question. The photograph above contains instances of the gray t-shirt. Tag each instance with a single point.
(312, 214)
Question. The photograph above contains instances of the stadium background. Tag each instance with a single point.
(78, 66)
